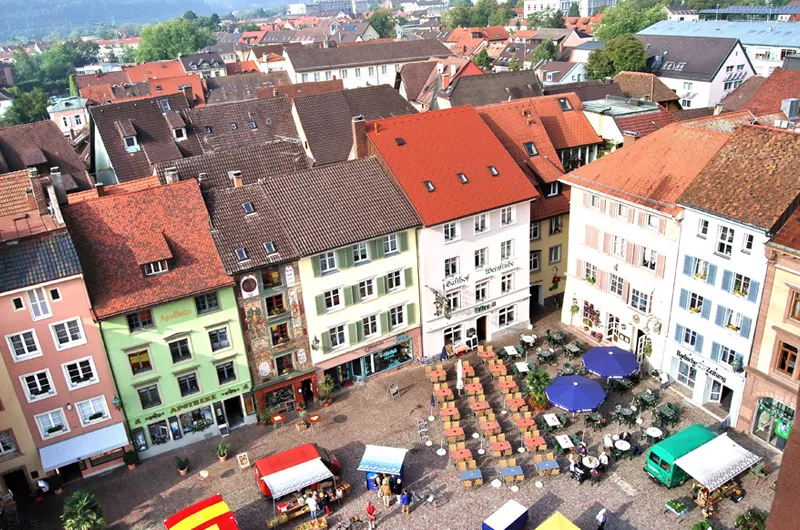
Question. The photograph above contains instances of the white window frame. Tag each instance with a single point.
(156, 267)
(725, 237)
(393, 315)
(689, 337)
(700, 269)
(327, 262)
(454, 299)
(557, 250)
(507, 283)
(10, 440)
(535, 260)
(747, 243)
(360, 253)
(616, 285)
(399, 282)
(58, 296)
(702, 228)
(39, 397)
(37, 353)
(480, 223)
(689, 378)
(337, 328)
(43, 433)
(72, 343)
(227, 334)
(649, 264)
(106, 413)
(335, 293)
(696, 301)
(482, 291)
(481, 257)
(39, 301)
(590, 272)
(372, 321)
(744, 283)
(618, 247)
(653, 221)
(21, 301)
(453, 334)
(503, 316)
(508, 216)
(552, 189)
(507, 249)
(594, 201)
(368, 283)
(72, 386)
(451, 232)
(534, 233)
(640, 296)
(556, 224)
(448, 270)
(390, 245)
(733, 318)
(622, 210)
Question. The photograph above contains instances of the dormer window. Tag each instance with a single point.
(241, 254)
(564, 104)
(156, 267)
(179, 134)
(552, 189)
(462, 177)
(269, 246)
(131, 144)
(493, 171)
(208, 129)
(429, 186)
(530, 148)
(164, 103)
(248, 208)
(550, 78)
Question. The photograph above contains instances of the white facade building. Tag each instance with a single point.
(534, 6)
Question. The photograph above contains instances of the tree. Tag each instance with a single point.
(546, 51)
(402, 21)
(481, 12)
(58, 61)
(127, 54)
(513, 65)
(86, 52)
(26, 67)
(574, 10)
(500, 16)
(28, 107)
(82, 512)
(457, 17)
(172, 38)
(249, 26)
(482, 59)
(625, 53)
(211, 22)
(73, 88)
(626, 17)
(511, 4)
(189, 15)
(383, 22)
(547, 18)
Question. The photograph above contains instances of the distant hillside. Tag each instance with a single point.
(36, 19)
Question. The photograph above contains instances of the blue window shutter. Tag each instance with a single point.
(720, 318)
(678, 333)
(752, 295)
(745, 330)
(684, 301)
(727, 276)
(712, 274)
(706, 312)
(698, 345)
(715, 351)
(687, 265)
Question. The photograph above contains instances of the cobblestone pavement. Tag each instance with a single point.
(142, 498)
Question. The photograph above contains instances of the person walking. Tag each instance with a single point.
(601, 518)
(372, 515)
(311, 502)
(405, 502)
(386, 493)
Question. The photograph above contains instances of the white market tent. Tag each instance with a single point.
(381, 459)
(716, 462)
(297, 477)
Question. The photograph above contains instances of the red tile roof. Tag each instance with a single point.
(780, 85)
(154, 70)
(241, 67)
(116, 189)
(565, 128)
(171, 85)
(742, 95)
(516, 123)
(545, 207)
(642, 85)
(252, 37)
(115, 233)
(436, 147)
(646, 123)
(655, 170)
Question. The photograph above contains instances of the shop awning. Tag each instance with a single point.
(557, 522)
(716, 462)
(297, 477)
(84, 446)
(380, 459)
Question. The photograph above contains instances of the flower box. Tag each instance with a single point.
(96, 416)
(694, 309)
(55, 429)
(700, 276)
(733, 328)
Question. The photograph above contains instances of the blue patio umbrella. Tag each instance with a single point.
(574, 393)
(610, 362)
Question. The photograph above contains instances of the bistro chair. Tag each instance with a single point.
(462, 466)
(428, 369)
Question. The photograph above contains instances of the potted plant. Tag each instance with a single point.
(647, 349)
(56, 483)
(222, 451)
(590, 280)
(702, 525)
(586, 324)
(82, 512)
(182, 464)
(752, 519)
(573, 310)
(301, 419)
(130, 459)
(534, 385)
(327, 384)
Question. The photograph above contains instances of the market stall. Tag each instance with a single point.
(714, 466)
(557, 522)
(511, 516)
(384, 460)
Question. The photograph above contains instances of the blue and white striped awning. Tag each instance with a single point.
(380, 459)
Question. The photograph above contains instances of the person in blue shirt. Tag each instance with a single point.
(405, 502)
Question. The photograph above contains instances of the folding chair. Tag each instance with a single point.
(472, 464)
(549, 456)
(428, 370)
(480, 348)
(462, 466)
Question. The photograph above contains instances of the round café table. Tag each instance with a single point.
(313, 420)
(276, 420)
(653, 433)
(590, 462)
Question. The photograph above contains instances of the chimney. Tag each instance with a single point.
(791, 107)
(55, 209)
(31, 198)
(202, 180)
(100, 189)
(236, 177)
(445, 81)
(439, 68)
(171, 175)
(359, 130)
(453, 70)
(58, 183)
(189, 94)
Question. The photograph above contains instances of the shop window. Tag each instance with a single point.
(687, 374)
(452, 335)
(159, 432)
(139, 439)
(279, 333)
(275, 305)
(773, 422)
(284, 364)
(271, 277)
(196, 420)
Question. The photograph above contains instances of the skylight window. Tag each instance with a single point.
(208, 129)
(463, 178)
(429, 186)
(241, 254)
(248, 208)
(564, 104)
(253, 125)
(400, 142)
(269, 246)
(164, 105)
(234, 126)
(493, 171)
(530, 148)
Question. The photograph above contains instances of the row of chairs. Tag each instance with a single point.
(540, 458)
(510, 462)
(466, 465)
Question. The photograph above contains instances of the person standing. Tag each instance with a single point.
(601, 518)
(405, 502)
(311, 502)
(386, 493)
(372, 515)
(397, 487)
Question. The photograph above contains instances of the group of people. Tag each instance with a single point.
(388, 486)
(579, 471)
(318, 502)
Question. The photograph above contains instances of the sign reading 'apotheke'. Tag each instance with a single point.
(176, 314)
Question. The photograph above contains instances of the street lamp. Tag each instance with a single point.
(315, 344)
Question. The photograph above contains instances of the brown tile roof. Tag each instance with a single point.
(492, 88)
(309, 59)
(647, 122)
(559, 68)
(231, 124)
(546, 207)
(301, 90)
(414, 76)
(726, 122)
(241, 87)
(42, 144)
(326, 119)
(255, 162)
(642, 85)
(516, 123)
(194, 62)
(765, 164)
(655, 170)
(568, 128)
(780, 85)
(586, 90)
(340, 204)
(113, 234)
(241, 67)
(463, 67)
(697, 66)
(740, 98)
(13, 199)
(107, 78)
(692, 114)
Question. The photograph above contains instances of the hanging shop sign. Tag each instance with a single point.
(709, 370)
(455, 281)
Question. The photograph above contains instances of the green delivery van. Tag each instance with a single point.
(660, 459)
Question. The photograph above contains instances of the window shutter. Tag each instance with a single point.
(320, 300)
(384, 322)
(381, 281)
(720, 318)
(352, 332)
(411, 314)
(706, 313)
(626, 290)
(602, 280)
(586, 199)
(581, 272)
(715, 351)
(684, 300)
(687, 265)
(607, 243)
(752, 295)
(745, 330)
(326, 342)
(315, 265)
(662, 226)
(341, 257)
(348, 295)
(727, 276)
(402, 241)
(590, 238)
(631, 213)
(712, 274)
(409, 272)
(630, 253)
(698, 344)
(360, 331)
(603, 205)
(640, 220)
(356, 293)
(376, 248)
(661, 264)
(678, 333)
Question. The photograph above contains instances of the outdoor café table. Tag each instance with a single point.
(552, 420)
(567, 370)
(646, 398)
(522, 367)
(460, 348)
(277, 419)
(507, 385)
(490, 426)
(469, 371)
(622, 445)
(479, 406)
(448, 412)
(498, 369)
(595, 417)
(564, 441)
(487, 355)
(511, 351)
(529, 340)
(625, 412)
(525, 422)
(547, 465)
(572, 348)
(461, 454)
(501, 446)
(653, 432)
(470, 474)
(454, 432)
(590, 461)
(437, 375)
(627, 384)
(545, 355)
(473, 388)
(515, 404)
(443, 393)
(511, 471)
(556, 338)
(538, 441)
(667, 412)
